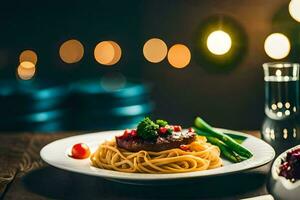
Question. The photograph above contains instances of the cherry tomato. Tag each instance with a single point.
(80, 151)
(127, 133)
(133, 133)
(177, 128)
(163, 130)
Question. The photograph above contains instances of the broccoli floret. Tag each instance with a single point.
(161, 123)
(147, 129)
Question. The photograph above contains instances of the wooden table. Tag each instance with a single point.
(23, 175)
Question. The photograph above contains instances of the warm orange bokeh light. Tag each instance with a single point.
(117, 51)
(28, 55)
(26, 70)
(155, 50)
(107, 53)
(27, 65)
(179, 56)
(71, 51)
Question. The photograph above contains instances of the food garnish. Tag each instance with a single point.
(150, 130)
(128, 134)
(80, 151)
(161, 123)
(147, 129)
(290, 167)
(177, 128)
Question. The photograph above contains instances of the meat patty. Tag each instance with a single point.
(171, 141)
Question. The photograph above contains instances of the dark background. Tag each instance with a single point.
(232, 99)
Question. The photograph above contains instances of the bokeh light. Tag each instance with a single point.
(28, 55)
(26, 70)
(155, 50)
(179, 56)
(107, 53)
(218, 42)
(277, 46)
(27, 65)
(71, 51)
(294, 9)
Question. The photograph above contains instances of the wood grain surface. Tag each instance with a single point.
(23, 175)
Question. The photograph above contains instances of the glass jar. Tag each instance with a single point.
(281, 90)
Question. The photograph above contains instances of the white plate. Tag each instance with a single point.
(56, 154)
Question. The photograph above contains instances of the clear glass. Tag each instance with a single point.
(281, 89)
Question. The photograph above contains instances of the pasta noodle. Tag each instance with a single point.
(201, 156)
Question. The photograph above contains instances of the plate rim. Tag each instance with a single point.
(104, 173)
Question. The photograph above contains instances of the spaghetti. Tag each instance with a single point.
(199, 156)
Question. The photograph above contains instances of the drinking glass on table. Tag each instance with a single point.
(281, 90)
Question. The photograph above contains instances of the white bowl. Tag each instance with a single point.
(279, 186)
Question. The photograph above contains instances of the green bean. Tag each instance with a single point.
(231, 143)
(226, 152)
